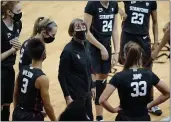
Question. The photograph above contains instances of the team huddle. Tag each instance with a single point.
(85, 64)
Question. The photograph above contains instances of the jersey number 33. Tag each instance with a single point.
(139, 88)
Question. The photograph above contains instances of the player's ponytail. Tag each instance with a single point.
(42, 23)
(7, 5)
(133, 55)
(36, 26)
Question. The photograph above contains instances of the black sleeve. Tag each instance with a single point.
(116, 8)
(90, 8)
(114, 81)
(153, 5)
(155, 79)
(64, 67)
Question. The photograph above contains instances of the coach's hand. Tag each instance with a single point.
(68, 100)
(93, 90)
(104, 54)
(15, 44)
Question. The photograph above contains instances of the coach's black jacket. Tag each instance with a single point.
(75, 71)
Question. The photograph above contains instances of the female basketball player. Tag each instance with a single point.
(101, 18)
(31, 91)
(11, 28)
(44, 29)
(136, 27)
(165, 39)
(134, 85)
(75, 68)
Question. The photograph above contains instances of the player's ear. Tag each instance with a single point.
(9, 12)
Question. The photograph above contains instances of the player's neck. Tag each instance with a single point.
(39, 36)
(134, 67)
(8, 21)
(37, 64)
(105, 3)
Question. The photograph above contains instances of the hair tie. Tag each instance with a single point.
(41, 18)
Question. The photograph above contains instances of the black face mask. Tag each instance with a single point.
(49, 39)
(17, 17)
(81, 35)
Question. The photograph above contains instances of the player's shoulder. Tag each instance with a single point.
(43, 81)
(144, 70)
(25, 43)
(92, 2)
(121, 74)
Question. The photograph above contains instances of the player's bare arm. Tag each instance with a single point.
(163, 88)
(166, 27)
(92, 39)
(16, 92)
(155, 27)
(42, 83)
(104, 97)
(115, 38)
(122, 14)
(165, 40)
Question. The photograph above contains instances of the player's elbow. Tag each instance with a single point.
(167, 94)
(101, 101)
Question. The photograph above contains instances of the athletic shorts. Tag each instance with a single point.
(23, 115)
(121, 117)
(7, 84)
(143, 40)
(100, 66)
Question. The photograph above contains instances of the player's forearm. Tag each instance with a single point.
(107, 106)
(7, 53)
(162, 98)
(155, 31)
(165, 39)
(93, 40)
(121, 12)
(15, 100)
(50, 112)
(115, 38)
